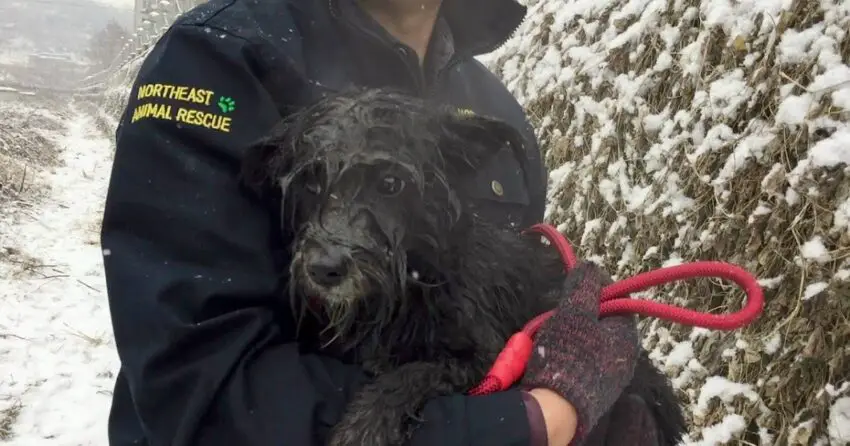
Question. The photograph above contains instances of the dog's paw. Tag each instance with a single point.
(369, 429)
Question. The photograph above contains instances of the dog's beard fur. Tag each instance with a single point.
(369, 295)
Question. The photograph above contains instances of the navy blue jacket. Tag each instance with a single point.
(207, 345)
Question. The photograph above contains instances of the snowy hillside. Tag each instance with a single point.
(57, 357)
(38, 38)
(58, 26)
(719, 130)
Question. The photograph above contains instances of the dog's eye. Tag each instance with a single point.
(390, 185)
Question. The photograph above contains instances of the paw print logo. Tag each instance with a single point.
(226, 104)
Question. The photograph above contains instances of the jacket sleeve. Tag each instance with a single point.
(206, 347)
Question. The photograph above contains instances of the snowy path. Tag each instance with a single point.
(57, 358)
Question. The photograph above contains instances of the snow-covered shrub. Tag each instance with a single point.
(688, 130)
(116, 91)
(28, 133)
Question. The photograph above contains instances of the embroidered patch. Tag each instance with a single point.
(465, 113)
(155, 104)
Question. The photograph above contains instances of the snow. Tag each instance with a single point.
(750, 147)
(122, 4)
(813, 289)
(815, 250)
(794, 109)
(833, 391)
(680, 355)
(841, 218)
(832, 151)
(772, 345)
(55, 329)
(839, 421)
(771, 282)
(12, 57)
(795, 45)
(827, 153)
(722, 432)
(724, 390)
(836, 81)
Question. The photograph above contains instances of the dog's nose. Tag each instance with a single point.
(328, 267)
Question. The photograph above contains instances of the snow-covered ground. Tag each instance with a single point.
(57, 358)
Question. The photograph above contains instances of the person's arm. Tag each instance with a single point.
(192, 277)
(189, 267)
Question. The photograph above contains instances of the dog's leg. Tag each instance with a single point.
(657, 392)
(383, 412)
(646, 414)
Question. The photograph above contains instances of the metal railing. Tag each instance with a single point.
(152, 18)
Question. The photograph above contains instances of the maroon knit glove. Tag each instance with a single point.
(587, 360)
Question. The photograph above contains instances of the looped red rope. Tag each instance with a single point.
(510, 364)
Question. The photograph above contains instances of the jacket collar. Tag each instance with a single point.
(481, 26)
(477, 26)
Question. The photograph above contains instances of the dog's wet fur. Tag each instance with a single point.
(389, 259)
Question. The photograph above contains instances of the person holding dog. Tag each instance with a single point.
(208, 352)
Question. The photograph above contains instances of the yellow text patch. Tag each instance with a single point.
(204, 119)
(175, 93)
(151, 110)
(465, 113)
(189, 116)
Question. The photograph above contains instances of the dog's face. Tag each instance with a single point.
(372, 185)
(353, 238)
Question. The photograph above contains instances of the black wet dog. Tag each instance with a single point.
(388, 257)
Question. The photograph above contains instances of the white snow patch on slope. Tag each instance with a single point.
(56, 347)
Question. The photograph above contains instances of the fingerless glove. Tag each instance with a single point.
(587, 360)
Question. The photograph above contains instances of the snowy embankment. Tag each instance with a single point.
(679, 130)
(57, 358)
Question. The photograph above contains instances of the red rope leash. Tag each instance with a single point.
(510, 364)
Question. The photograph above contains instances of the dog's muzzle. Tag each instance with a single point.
(326, 267)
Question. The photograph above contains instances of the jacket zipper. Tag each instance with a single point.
(417, 76)
(428, 91)
(456, 60)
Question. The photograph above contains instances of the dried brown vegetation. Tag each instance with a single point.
(669, 137)
(28, 131)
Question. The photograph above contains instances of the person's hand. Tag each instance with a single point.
(559, 417)
(586, 360)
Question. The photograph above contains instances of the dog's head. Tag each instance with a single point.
(371, 184)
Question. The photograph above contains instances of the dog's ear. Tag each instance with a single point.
(266, 160)
(468, 141)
